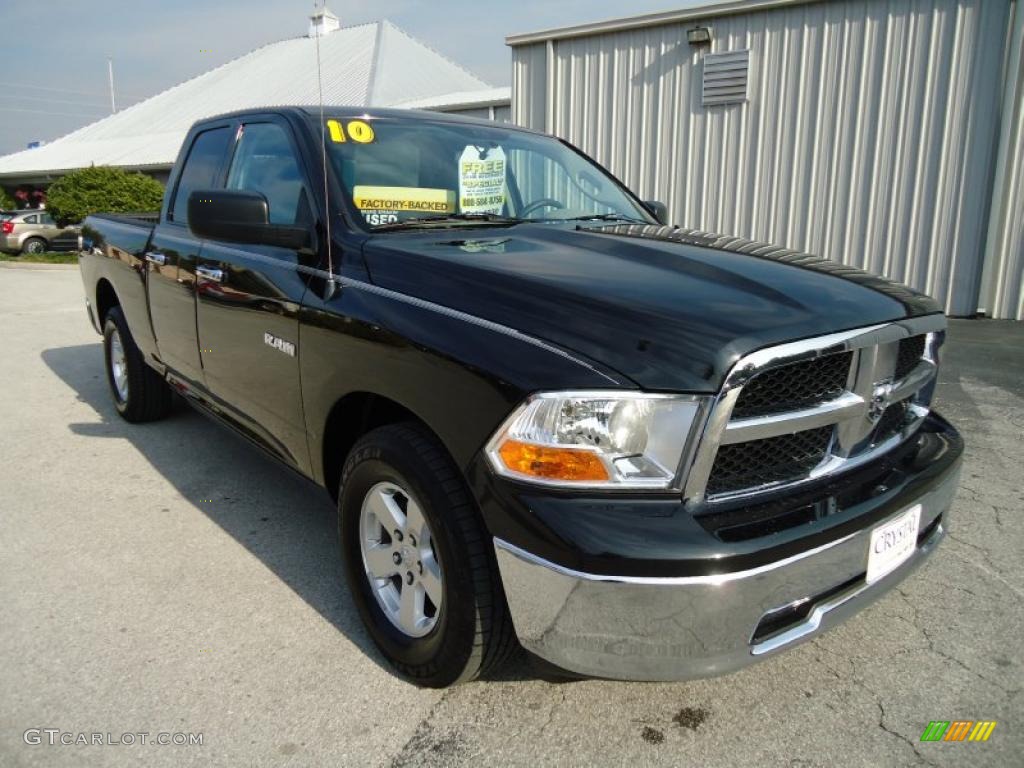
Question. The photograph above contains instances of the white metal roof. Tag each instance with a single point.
(490, 97)
(693, 13)
(368, 65)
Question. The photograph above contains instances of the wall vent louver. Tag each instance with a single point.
(725, 77)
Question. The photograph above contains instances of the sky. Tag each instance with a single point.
(53, 76)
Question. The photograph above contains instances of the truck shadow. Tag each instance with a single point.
(285, 521)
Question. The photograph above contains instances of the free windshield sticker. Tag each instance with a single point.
(482, 180)
(383, 205)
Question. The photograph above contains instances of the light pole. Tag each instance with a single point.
(110, 73)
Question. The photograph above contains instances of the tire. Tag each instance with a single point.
(34, 245)
(470, 632)
(139, 392)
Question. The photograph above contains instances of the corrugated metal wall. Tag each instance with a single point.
(869, 136)
(1003, 284)
(529, 86)
(501, 113)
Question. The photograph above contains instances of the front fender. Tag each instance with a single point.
(460, 375)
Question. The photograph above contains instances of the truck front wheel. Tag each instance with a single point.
(140, 394)
(418, 560)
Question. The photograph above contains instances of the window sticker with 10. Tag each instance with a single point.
(358, 131)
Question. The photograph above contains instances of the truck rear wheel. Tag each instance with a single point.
(139, 393)
(418, 559)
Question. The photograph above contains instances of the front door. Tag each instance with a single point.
(172, 255)
(249, 298)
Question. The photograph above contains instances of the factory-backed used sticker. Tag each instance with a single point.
(482, 180)
(383, 205)
(359, 131)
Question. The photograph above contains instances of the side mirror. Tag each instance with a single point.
(238, 216)
(658, 210)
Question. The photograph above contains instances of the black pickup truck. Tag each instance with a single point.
(548, 418)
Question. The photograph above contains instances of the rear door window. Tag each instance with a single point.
(202, 169)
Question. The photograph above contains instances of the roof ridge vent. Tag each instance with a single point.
(323, 22)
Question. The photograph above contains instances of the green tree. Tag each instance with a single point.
(6, 201)
(102, 189)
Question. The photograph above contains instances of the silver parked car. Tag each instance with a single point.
(34, 231)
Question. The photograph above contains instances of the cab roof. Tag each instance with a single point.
(311, 112)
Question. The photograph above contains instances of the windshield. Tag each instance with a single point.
(410, 172)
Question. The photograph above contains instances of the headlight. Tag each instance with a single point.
(596, 439)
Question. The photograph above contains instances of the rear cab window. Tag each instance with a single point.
(201, 169)
(265, 162)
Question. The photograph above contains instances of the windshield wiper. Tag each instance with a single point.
(604, 217)
(450, 218)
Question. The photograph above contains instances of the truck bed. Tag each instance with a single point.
(138, 219)
(112, 265)
(127, 232)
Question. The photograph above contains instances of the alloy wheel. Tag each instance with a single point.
(399, 559)
(119, 366)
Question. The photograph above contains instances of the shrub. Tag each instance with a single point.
(6, 201)
(102, 189)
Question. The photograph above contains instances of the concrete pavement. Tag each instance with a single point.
(170, 578)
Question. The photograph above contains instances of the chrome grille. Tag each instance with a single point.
(770, 460)
(790, 387)
(909, 355)
(892, 420)
(800, 411)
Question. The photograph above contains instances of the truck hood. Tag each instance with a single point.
(670, 309)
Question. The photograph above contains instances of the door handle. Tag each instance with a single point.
(156, 258)
(211, 273)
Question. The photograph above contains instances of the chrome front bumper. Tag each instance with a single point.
(639, 628)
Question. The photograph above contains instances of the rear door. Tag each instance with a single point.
(249, 298)
(27, 226)
(171, 280)
(59, 239)
(31, 235)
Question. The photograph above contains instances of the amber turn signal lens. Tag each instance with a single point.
(552, 463)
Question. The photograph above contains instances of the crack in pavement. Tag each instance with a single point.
(854, 680)
(552, 711)
(995, 575)
(422, 732)
(984, 552)
(916, 622)
(891, 732)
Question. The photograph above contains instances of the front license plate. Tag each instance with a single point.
(892, 543)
